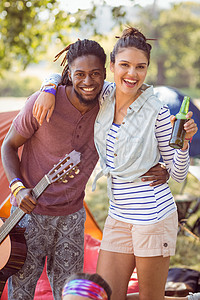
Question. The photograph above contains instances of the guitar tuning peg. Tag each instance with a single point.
(64, 180)
(71, 176)
(77, 171)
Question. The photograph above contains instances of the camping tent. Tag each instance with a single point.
(93, 233)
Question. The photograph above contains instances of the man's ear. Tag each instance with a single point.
(112, 67)
(69, 75)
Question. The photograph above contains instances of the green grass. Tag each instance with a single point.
(187, 250)
(187, 253)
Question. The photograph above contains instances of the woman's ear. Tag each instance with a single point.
(112, 67)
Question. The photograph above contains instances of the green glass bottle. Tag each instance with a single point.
(178, 133)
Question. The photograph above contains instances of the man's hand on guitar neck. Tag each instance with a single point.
(26, 201)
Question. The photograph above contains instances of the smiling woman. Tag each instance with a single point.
(129, 75)
(131, 131)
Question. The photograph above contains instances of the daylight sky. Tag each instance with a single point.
(73, 5)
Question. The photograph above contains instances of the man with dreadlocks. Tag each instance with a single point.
(55, 226)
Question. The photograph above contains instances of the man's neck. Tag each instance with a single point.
(71, 95)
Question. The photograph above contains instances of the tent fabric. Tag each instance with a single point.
(5, 122)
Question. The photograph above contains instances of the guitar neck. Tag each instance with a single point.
(41, 186)
(18, 214)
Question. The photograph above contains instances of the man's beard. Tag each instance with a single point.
(87, 102)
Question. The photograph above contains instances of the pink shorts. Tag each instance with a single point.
(158, 239)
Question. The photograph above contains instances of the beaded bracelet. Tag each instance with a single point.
(15, 186)
(12, 181)
(17, 190)
(190, 139)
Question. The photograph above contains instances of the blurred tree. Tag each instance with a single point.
(18, 86)
(175, 55)
(26, 30)
(22, 30)
(27, 27)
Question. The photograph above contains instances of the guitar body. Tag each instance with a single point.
(13, 252)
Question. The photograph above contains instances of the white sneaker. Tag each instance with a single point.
(195, 296)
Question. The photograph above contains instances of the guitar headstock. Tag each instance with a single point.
(66, 167)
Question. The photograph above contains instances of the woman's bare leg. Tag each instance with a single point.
(152, 275)
(116, 269)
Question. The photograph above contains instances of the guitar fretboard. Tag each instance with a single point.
(18, 214)
(41, 186)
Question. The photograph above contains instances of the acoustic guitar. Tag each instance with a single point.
(13, 247)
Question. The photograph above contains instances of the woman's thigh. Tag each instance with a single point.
(116, 269)
(152, 275)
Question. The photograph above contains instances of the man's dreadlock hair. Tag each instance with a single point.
(78, 49)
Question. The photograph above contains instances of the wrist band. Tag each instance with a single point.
(12, 181)
(15, 186)
(49, 89)
(190, 139)
(17, 190)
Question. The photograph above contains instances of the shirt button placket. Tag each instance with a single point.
(78, 131)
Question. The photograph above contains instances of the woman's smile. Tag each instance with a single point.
(130, 69)
(130, 83)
